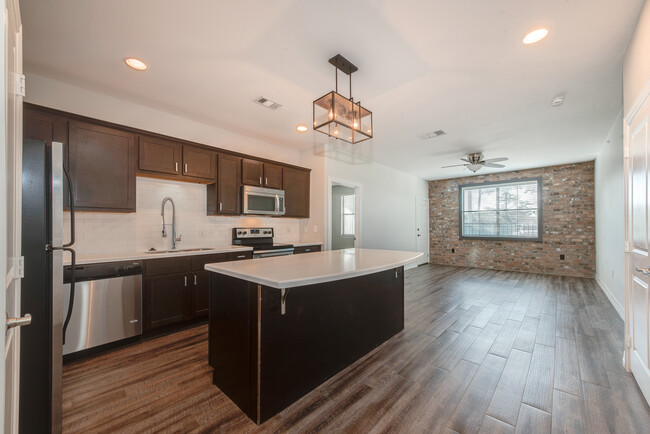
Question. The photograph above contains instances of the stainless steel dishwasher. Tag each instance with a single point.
(107, 304)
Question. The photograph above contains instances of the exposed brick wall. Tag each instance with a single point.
(568, 223)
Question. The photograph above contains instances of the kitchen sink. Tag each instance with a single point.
(200, 249)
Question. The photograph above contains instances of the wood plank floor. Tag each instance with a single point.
(482, 351)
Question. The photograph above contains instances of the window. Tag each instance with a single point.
(502, 210)
(347, 214)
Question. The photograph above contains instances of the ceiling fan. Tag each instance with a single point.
(475, 161)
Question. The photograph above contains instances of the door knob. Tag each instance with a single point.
(645, 271)
(18, 322)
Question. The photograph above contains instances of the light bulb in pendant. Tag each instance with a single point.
(356, 124)
(336, 131)
(331, 114)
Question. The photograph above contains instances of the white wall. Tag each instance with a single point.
(387, 203)
(636, 64)
(339, 241)
(610, 217)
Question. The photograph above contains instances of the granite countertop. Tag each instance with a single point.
(318, 267)
(137, 256)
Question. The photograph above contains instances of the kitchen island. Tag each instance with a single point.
(281, 326)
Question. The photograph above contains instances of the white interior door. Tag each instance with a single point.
(637, 313)
(422, 227)
(10, 212)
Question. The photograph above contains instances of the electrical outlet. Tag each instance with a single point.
(315, 228)
(561, 257)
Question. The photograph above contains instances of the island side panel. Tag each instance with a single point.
(326, 327)
(232, 341)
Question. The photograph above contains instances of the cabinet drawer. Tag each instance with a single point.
(198, 262)
(238, 256)
(179, 264)
(306, 249)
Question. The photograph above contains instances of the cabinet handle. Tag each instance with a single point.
(266, 181)
(185, 280)
(260, 180)
(241, 256)
(307, 250)
(185, 167)
(220, 206)
(177, 166)
(195, 283)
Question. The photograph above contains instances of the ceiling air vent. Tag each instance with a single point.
(431, 135)
(268, 103)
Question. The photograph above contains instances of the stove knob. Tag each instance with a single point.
(244, 233)
(238, 232)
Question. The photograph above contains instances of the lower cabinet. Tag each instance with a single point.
(307, 249)
(177, 289)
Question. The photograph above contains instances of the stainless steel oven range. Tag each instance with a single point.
(261, 240)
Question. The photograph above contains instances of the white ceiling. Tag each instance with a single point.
(423, 65)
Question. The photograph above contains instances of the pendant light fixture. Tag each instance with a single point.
(341, 117)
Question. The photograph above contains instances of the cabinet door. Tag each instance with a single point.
(252, 172)
(159, 156)
(201, 293)
(198, 162)
(102, 167)
(166, 299)
(228, 176)
(272, 176)
(296, 192)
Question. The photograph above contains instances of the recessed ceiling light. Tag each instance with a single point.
(535, 36)
(302, 128)
(136, 64)
(558, 100)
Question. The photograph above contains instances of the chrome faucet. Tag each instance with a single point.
(164, 230)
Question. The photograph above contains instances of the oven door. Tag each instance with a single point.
(274, 252)
(263, 201)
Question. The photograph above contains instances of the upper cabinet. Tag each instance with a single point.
(104, 159)
(272, 176)
(224, 195)
(169, 159)
(159, 156)
(102, 167)
(199, 162)
(261, 174)
(296, 192)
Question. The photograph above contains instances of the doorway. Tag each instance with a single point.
(344, 211)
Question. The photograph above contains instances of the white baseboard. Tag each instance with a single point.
(610, 295)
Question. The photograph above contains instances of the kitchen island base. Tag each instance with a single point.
(268, 347)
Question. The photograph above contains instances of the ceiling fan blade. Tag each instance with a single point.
(454, 165)
(465, 159)
(494, 160)
(494, 165)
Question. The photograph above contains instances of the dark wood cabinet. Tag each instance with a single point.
(296, 192)
(199, 162)
(252, 172)
(260, 174)
(176, 289)
(102, 167)
(224, 196)
(166, 299)
(159, 156)
(272, 176)
(307, 249)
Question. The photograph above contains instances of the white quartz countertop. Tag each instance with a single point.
(318, 267)
(138, 256)
(303, 244)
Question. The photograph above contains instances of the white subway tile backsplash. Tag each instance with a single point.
(116, 233)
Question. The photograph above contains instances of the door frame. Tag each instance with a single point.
(358, 191)
(423, 199)
(642, 98)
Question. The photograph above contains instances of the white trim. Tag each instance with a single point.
(427, 255)
(638, 367)
(610, 295)
(638, 103)
(358, 191)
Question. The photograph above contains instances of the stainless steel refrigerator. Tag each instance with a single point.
(43, 248)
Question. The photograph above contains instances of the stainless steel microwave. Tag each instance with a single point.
(263, 201)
